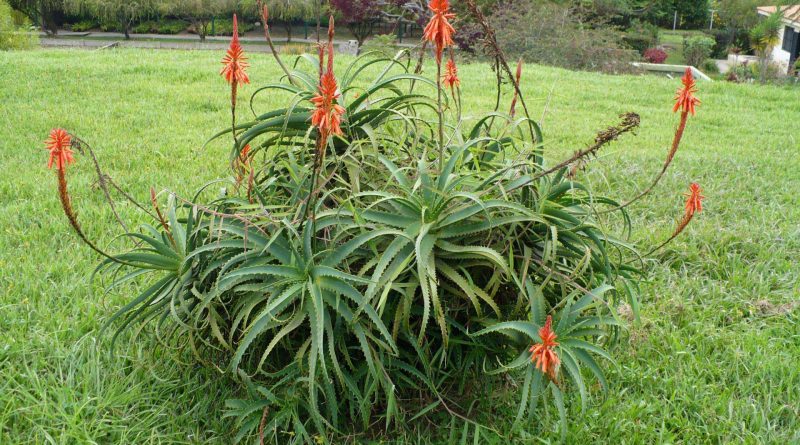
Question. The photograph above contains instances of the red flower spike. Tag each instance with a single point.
(235, 63)
(694, 199)
(684, 97)
(59, 144)
(450, 77)
(439, 31)
(543, 355)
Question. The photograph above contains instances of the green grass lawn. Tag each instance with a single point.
(714, 359)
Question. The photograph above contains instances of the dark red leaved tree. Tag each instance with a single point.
(360, 16)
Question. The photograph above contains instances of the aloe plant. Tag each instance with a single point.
(368, 272)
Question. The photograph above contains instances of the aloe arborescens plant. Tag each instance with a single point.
(378, 262)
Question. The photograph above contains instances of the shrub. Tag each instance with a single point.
(723, 39)
(16, 32)
(111, 26)
(710, 67)
(224, 27)
(171, 26)
(160, 27)
(697, 49)
(84, 25)
(641, 36)
(468, 36)
(655, 55)
(144, 27)
(384, 43)
(550, 34)
(365, 265)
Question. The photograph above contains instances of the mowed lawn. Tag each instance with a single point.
(715, 358)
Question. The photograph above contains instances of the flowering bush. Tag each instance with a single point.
(655, 55)
(368, 261)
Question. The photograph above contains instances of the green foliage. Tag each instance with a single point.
(200, 14)
(383, 43)
(641, 36)
(84, 25)
(161, 27)
(561, 38)
(697, 49)
(763, 38)
(16, 32)
(119, 14)
(40, 12)
(739, 14)
(710, 67)
(224, 27)
(692, 14)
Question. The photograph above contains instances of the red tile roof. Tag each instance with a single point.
(790, 12)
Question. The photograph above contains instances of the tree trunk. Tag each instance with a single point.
(127, 27)
(288, 27)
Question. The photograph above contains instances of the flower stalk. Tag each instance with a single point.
(685, 101)
(60, 145)
(694, 204)
(439, 32)
(234, 70)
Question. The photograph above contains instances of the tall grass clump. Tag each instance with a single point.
(375, 259)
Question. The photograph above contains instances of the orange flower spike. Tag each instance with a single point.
(59, 144)
(328, 115)
(684, 97)
(450, 77)
(439, 31)
(694, 199)
(543, 355)
(235, 63)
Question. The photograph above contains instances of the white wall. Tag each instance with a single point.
(780, 56)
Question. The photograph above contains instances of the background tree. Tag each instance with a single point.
(15, 29)
(692, 14)
(42, 12)
(288, 11)
(739, 14)
(123, 12)
(763, 38)
(360, 16)
(738, 17)
(200, 13)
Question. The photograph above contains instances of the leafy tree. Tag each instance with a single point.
(199, 13)
(691, 13)
(764, 37)
(124, 12)
(288, 11)
(360, 16)
(738, 14)
(43, 12)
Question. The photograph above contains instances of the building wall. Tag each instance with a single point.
(779, 55)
